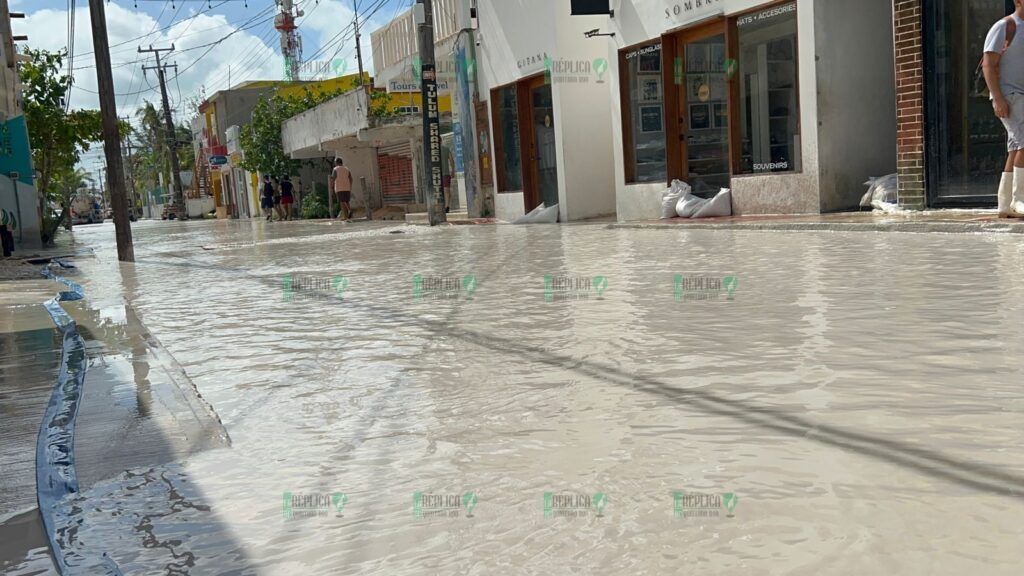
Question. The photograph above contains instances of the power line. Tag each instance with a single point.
(165, 28)
(209, 47)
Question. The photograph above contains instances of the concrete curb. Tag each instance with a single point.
(56, 478)
(906, 227)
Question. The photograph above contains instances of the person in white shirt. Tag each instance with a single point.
(341, 184)
(1003, 66)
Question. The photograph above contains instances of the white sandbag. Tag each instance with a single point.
(671, 198)
(689, 204)
(547, 215)
(887, 207)
(881, 189)
(528, 217)
(720, 205)
(865, 200)
(886, 189)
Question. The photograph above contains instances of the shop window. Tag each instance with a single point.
(769, 101)
(510, 169)
(644, 115)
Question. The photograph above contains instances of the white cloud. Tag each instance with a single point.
(248, 57)
(325, 21)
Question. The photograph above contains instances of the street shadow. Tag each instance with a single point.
(928, 462)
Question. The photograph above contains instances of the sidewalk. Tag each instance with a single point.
(943, 221)
(138, 408)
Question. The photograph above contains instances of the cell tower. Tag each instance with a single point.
(291, 42)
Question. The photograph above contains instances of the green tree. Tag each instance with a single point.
(151, 159)
(261, 139)
(65, 185)
(57, 137)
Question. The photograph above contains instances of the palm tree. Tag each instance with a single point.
(64, 185)
(153, 158)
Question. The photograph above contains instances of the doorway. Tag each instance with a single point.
(965, 146)
(543, 151)
(701, 80)
(525, 145)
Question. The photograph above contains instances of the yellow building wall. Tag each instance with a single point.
(285, 89)
(344, 84)
(444, 101)
(255, 191)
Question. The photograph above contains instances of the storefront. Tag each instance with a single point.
(767, 99)
(965, 144)
(524, 121)
(547, 89)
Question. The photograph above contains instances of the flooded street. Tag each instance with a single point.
(570, 399)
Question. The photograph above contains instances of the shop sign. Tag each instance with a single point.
(532, 60)
(413, 85)
(643, 51)
(766, 15)
(684, 7)
(218, 160)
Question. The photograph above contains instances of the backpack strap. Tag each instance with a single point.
(1011, 31)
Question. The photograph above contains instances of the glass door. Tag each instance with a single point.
(545, 161)
(704, 114)
(965, 143)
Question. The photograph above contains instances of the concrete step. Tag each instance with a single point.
(424, 217)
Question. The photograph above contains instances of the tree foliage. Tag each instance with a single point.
(261, 139)
(57, 137)
(151, 156)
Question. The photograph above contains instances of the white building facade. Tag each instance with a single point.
(791, 104)
(548, 90)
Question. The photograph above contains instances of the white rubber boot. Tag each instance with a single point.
(1017, 202)
(1005, 194)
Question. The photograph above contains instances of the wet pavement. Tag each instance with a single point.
(567, 399)
(952, 221)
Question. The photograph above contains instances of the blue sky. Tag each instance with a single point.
(251, 50)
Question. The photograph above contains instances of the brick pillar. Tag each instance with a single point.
(908, 21)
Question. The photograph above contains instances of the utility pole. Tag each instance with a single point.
(431, 116)
(111, 132)
(172, 135)
(131, 171)
(359, 48)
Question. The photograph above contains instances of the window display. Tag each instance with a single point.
(645, 113)
(511, 169)
(769, 102)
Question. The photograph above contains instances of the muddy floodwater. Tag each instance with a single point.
(572, 399)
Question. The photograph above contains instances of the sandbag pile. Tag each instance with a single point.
(539, 215)
(680, 201)
(882, 194)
